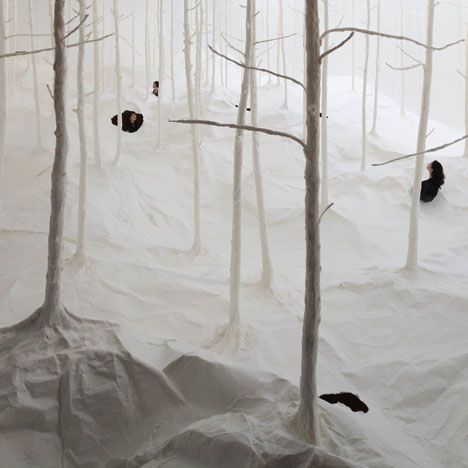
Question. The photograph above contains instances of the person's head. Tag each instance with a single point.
(133, 118)
(436, 171)
(156, 84)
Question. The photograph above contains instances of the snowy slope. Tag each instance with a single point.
(396, 340)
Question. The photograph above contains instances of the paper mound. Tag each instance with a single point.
(82, 399)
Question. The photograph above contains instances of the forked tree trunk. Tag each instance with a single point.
(324, 122)
(364, 97)
(80, 254)
(197, 245)
(377, 77)
(2, 102)
(118, 81)
(412, 254)
(235, 270)
(267, 272)
(97, 85)
(37, 103)
(307, 416)
(52, 307)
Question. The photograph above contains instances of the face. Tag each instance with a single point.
(133, 118)
(429, 168)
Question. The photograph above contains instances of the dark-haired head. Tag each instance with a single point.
(436, 171)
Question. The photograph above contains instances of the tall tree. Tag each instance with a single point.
(81, 234)
(377, 77)
(307, 416)
(37, 101)
(267, 271)
(235, 270)
(412, 253)
(3, 85)
(97, 85)
(364, 96)
(324, 122)
(213, 40)
(161, 68)
(118, 79)
(466, 91)
(52, 310)
(197, 244)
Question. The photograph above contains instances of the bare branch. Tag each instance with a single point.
(324, 211)
(431, 150)
(409, 67)
(250, 128)
(341, 44)
(389, 36)
(50, 92)
(76, 27)
(275, 39)
(38, 51)
(265, 70)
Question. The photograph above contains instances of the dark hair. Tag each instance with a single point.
(438, 175)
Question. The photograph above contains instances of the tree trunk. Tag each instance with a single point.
(412, 254)
(197, 245)
(267, 273)
(307, 416)
(402, 31)
(147, 49)
(364, 98)
(270, 80)
(283, 54)
(118, 81)
(14, 28)
(35, 78)
(51, 19)
(234, 315)
(133, 44)
(80, 254)
(198, 57)
(226, 30)
(97, 85)
(466, 91)
(213, 55)
(172, 52)
(377, 78)
(52, 303)
(324, 121)
(2, 102)
(353, 79)
(161, 67)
